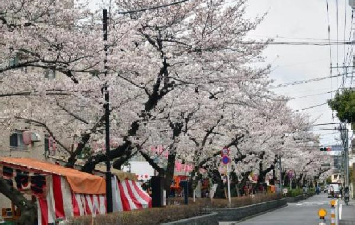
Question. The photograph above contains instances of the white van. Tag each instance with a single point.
(334, 188)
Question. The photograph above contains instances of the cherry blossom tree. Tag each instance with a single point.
(178, 76)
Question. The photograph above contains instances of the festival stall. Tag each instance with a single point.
(126, 190)
(63, 192)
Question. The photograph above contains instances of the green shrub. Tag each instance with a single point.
(142, 217)
(173, 212)
(294, 192)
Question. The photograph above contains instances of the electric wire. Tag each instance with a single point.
(311, 107)
(348, 52)
(306, 96)
(304, 81)
(153, 7)
(325, 43)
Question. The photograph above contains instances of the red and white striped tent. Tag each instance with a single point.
(126, 188)
(63, 192)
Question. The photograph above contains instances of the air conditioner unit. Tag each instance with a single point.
(35, 137)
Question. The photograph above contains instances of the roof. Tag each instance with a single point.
(118, 173)
(101, 169)
(80, 182)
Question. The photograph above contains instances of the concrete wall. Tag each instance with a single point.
(216, 215)
(297, 198)
(35, 150)
(235, 214)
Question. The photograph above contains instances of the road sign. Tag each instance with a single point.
(225, 152)
(226, 159)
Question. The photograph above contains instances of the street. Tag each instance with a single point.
(301, 213)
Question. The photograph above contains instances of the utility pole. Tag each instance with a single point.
(346, 154)
(345, 165)
(107, 121)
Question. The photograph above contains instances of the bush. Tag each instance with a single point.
(243, 201)
(176, 211)
(294, 192)
(142, 217)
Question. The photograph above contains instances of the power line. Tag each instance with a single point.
(311, 107)
(329, 43)
(328, 134)
(295, 38)
(304, 81)
(324, 124)
(153, 7)
(306, 96)
(348, 56)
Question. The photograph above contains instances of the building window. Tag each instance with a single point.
(46, 145)
(14, 61)
(16, 141)
(49, 74)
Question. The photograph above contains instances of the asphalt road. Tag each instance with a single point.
(301, 213)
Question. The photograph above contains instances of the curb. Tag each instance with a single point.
(216, 215)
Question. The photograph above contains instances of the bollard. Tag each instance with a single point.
(322, 213)
(333, 215)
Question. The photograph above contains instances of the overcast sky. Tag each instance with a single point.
(305, 21)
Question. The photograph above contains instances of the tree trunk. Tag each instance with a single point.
(27, 208)
(169, 173)
(243, 182)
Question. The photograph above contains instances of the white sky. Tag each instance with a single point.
(304, 20)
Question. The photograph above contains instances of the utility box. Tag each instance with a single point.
(352, 3)
(157, 183)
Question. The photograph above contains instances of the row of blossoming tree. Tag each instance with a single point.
(183, 76)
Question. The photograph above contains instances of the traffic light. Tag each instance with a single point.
(325, 149)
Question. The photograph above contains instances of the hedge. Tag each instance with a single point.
(173, 212)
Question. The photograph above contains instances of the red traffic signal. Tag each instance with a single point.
(326, 149)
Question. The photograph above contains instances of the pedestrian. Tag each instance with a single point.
(331, 191)
(317, 190)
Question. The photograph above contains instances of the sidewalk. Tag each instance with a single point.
(348, 215)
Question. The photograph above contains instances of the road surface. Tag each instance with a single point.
(301, 213)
